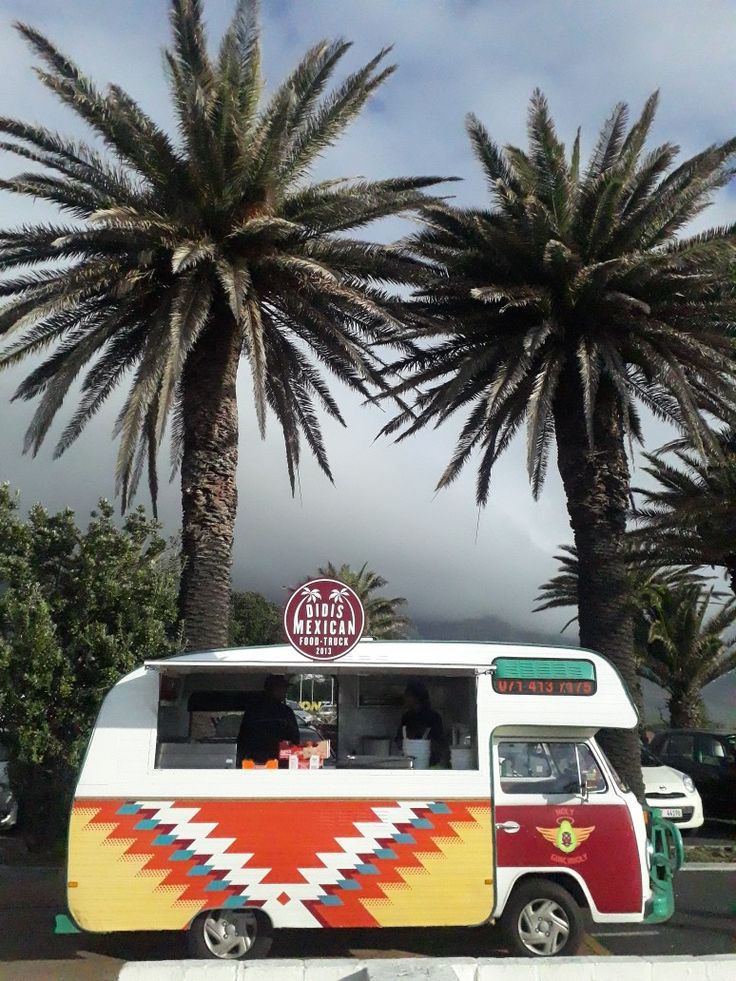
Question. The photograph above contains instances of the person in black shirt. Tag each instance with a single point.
(266, 722)
(420, 718)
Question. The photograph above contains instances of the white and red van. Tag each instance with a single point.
(524, 821)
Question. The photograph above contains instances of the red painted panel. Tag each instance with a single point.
(596, 840)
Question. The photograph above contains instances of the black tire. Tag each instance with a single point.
(240, 935)
(542, 907)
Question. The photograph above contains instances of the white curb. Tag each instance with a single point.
(709, 968)
(709, 867)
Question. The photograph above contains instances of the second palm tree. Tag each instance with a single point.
(561, 307)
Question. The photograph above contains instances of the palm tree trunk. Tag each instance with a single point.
(208, 483)
(596, 483)
(686, 708)
(731, 572)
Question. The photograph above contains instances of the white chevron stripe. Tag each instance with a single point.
(353, 852)
(322, 876)
(229, 861)
(294, 914)
(338, 860)
(377, 830)
(357, 846)
(193, 830)
(175, 815)
(402, 814)
(247, 877)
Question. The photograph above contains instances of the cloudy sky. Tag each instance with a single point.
(455, 56)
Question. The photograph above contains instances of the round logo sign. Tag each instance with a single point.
(324, 619)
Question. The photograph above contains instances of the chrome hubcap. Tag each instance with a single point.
(229, 935)
(543, 927)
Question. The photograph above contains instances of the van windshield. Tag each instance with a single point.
(554, 767)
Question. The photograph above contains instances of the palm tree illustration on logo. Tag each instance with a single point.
(307, 595)
(337, 595)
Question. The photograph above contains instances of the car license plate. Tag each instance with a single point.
(671, 812)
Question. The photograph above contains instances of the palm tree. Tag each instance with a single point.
(644, 570)
(561, 591)
(184, 254)
(382, 617)
(684, 651)
(690, 516)
(645, 577)
(560, 306)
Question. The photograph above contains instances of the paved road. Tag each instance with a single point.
(29, 951)
(704, 923)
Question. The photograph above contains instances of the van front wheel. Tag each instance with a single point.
(542, 919)
(230, 935)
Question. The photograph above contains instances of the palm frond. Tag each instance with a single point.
(583, 272)
(173, 239)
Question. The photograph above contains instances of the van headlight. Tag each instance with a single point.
(688, 785)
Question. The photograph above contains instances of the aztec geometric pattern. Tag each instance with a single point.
(143, 865)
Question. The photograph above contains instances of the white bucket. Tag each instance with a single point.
(461, 758)
(419, 750)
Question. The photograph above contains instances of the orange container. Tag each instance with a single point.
(268, 765)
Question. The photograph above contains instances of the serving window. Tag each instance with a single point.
(208, 720)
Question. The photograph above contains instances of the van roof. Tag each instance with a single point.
(369, 655)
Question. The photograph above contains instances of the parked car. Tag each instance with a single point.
(8, 803)
(709, 758)
(303, 717)
(673, 792)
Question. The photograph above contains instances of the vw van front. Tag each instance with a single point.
(569, 835)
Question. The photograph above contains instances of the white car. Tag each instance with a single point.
(672, 791)
(8, 803)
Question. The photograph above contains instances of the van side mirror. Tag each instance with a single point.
(584, 789)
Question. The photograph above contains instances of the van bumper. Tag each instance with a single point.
(667, 856)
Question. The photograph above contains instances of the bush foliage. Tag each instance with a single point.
(78, 610)
(254, 621)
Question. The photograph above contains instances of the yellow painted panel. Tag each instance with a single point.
(115, 891)
(450, 887)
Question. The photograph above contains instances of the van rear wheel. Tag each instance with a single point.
(230, 935)
(542, 919)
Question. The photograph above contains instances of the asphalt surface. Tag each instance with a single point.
(705, 923)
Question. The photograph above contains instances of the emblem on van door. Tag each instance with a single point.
(566, 837)
(324, 619)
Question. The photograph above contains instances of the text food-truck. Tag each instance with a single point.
(438, 784)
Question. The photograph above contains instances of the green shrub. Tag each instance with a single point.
(78, 610)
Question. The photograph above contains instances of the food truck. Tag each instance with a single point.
(523, 822)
